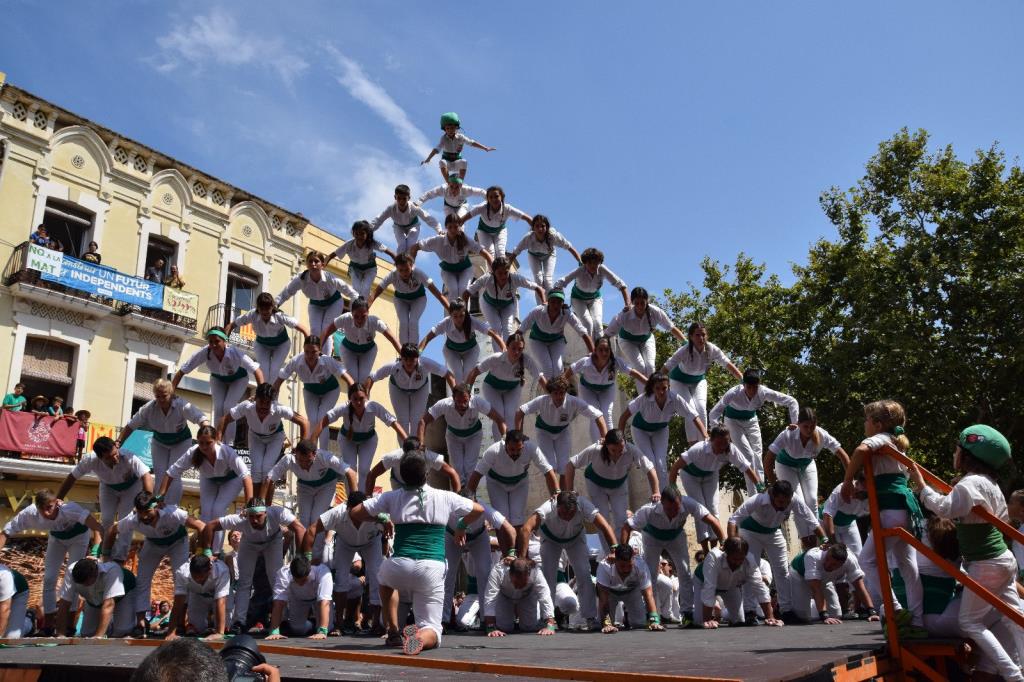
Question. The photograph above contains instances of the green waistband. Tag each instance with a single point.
(323, 387)
(578, 293)
(407, 226)
(239, 373)
(451, 156)
(498, 302)
(72, 532)
(750, 524)
(633, 338)
(394, 383)
(325, 302)
(481, 225)
(843, 519)
(682, 377)
(546, 337)
(501, 384)
(596, 388)
(124, 485)
(330, 476)
(894, 493)
(419, 541)
(663, 534)
(554, 538)
(170, 539)
(172, 438)
(541, 424)
(411, 295)
(598, 479)
(357, 347)
(279, 429)
(508, 480)
(469, 536)
(363, 267)
(644, 425)
(462, 265)
(476, 427)
(230, 476)
(460, 346)
(698, 572)
(732, 413)
(276, 340)
(798, 563)
(358, 436)
(696, 471)
(938, 592)
(784, 458)
(979, 541)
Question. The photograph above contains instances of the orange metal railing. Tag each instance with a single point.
(899, 652)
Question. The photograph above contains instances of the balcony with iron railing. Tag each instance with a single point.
(220, 315)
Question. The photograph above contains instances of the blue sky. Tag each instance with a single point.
(658, 132)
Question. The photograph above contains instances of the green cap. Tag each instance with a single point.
(556, 293)
(450, 119)
(987, 444)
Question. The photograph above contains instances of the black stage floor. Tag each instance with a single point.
(760, 653)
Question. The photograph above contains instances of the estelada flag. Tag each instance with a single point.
(38, 435)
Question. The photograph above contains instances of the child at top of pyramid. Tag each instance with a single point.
(450, 147)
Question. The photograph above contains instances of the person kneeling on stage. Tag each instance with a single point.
(726, 572)
(518, 590)
(813, 579)
(624, 580)
(109, 594)
(13, 603)
(300, 588)
(201, 586)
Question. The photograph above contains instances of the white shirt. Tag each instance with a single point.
(227, 461)
(883, 465)
(500, 582)
(504, 369)
(169, 521)
(420, 377)
(760, 509)
(589, 283)
(453, 144)
(541, 249)
(277, 323)
(646, 406)
(325, 368)
(973, 490)
(69, 515)
(653, 513)
(417, 281)
(496, 218)
(405, 220)
(359, 254)
(639, 325)
(405, 506)
(496, 457)
(364, 424)
(699, 362)
(539, 317)
(392, 460)
(814, 568)
(446, 408)
(835, 504)
(631, 457)
(454, 332)
(720, 577)
(448, 251)
(152, 418)
(590, 374)
(276, 518)
(608, 576)
(703, 457)
(129, 468)
(319, 585)
(339, 520)
(559, 416)
(491, 515)
(323, 462)
(452, 201)
(7, 587)
(737, 398)
(262, 427)
(217, 585)
(559, 527)
(232, 361)
(316, 291)
(109, 584)
(487, 285)
(791, 441)
(360, 335)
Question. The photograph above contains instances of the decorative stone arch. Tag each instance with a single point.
(88, 138)
(172, 177)
(258, 216)
(148, 224)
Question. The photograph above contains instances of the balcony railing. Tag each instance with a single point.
(220, 314)
(159, 315)
(17, 272)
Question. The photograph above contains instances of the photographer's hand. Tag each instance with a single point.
(271, 672)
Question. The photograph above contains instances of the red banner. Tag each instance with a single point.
(37, 435)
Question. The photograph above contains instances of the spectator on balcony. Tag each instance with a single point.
(40, 237)
(83, 417)
(15, 401)
(92, 255)
(174, 279)
(155, 272)
(56, 245)
(56, 408)
(41, 406)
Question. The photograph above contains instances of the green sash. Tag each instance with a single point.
(938, 592)
(72, 532)
(357, 347)
(498, 302)
(412, 295)
(541, 424)
(501, 384)
(172, 438)
(753, 526)
(894, 493)
(456, 267)
(797, 564)
(507, 480)
(323, 387)
(784, 458)
(230, 476)
(598, 479)
(581, 295)
(363, 267)
(460, 346)
(561, 577)
(330, 476)
(732, 413)
(596, 388)
(277, 340)
(358, 436)
(407, 390)
(696, 471)
(419, 541)
(325, 302)
(239, 373)
(641, 423)
(682, 377)
(124, 485)
(537, 335)
(20, 583)
(843, 519)
(466, 433)
(481, 225)
(279, 429)
(979, 541)
(633, 338)
(469, 537)
(663, 534)
(551, 536)
(169, 540)
(408, 226)
(451, 156)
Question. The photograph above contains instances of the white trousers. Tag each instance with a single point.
(420, 582)
(264, 451)
(317, 407)
(501, 320)
(56, 551)
(225, 396)
(321, 317)
(697, 397)
(301, 615)
(612, 503)
(121, 624)
(406, 237)
(362, 280)
(632, 603)
(114, 506)
(543, 272)
(850, 536)
(733, 599)
(409, 312)
(504, 403)
(547, 355)
(149, 560)
(668, 597)
(163, 457)
(704, 490)
(774, 545)
(591, 313)
(803, 601)
(16, 616)
(479, 548)
(456, 167)
(202, 610)
(639, 357)
(496, 244)
(654, 444)
(510, 501)
(905, 558)
(461, 363)
(372, 556)
(358, 455)
(526, 609)
(463, 453)
(409, 407)
(604, 402)
(468, 611)
(679, 551)
(313, 501)
(746, 434)
(214, 499)
(565, 599)
(557, 447)
(272, 358)
(455, 283)
(248, 552)
(358, 365)
(579, 559)
(804, 482)
(998, 576)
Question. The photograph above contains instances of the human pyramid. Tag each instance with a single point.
(535, 572)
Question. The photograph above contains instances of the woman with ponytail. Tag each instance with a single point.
(453, 249)
(271, 327)
(498, 301)
(635, 328)
(461, 350)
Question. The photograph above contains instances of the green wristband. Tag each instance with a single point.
(383, 518)
(208, 552)
(491, 628)
(94, 550)
(461, 524)
(275, 631)
(322, 630)
(654, 617)
(552, 626)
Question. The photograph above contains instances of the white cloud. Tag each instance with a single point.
(216, 38)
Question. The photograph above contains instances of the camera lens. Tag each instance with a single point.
(240, 655)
